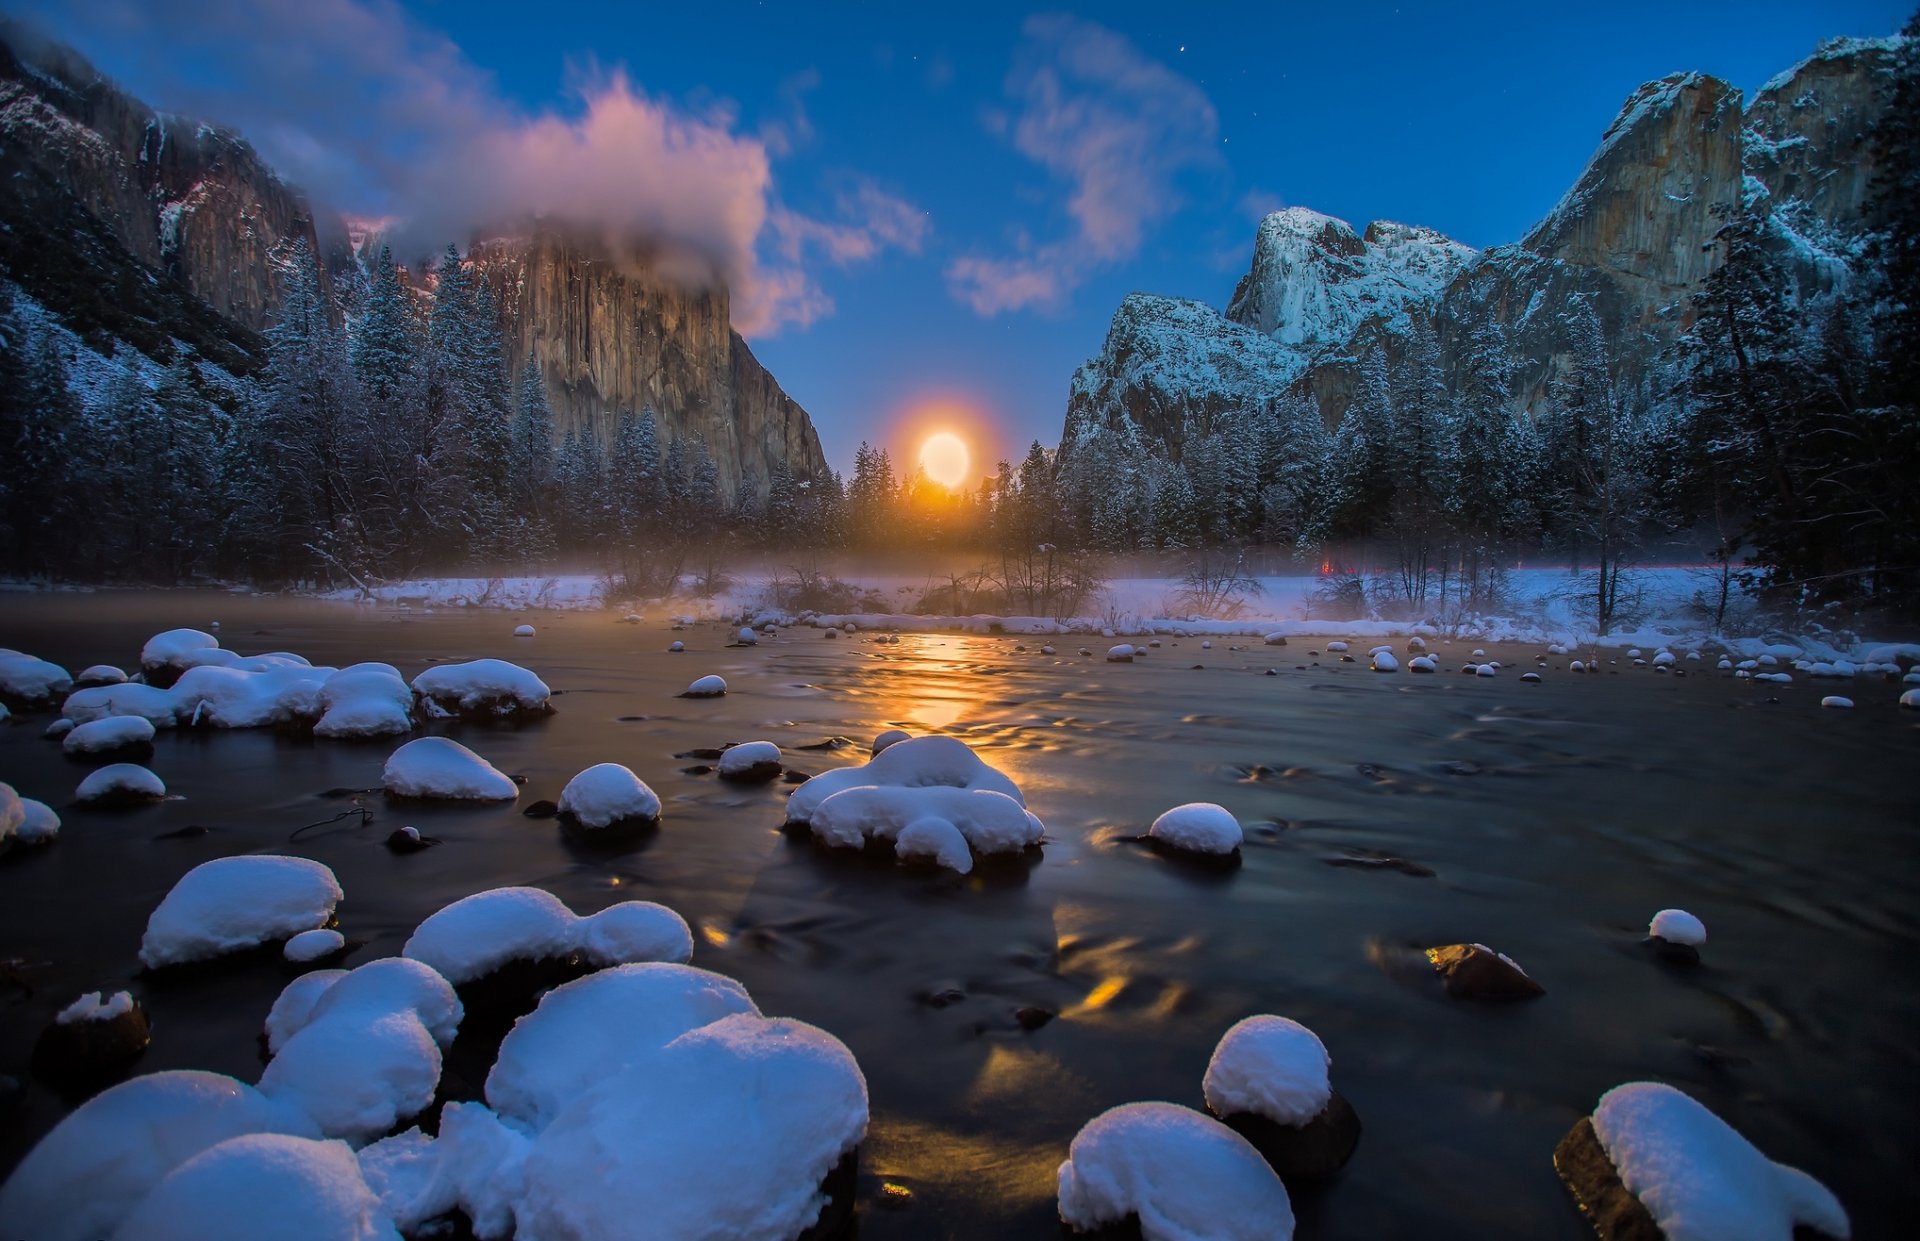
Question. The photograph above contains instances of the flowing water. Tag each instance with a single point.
(1556, 818)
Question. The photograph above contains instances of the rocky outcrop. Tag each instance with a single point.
(611, 334)
(1633, 239)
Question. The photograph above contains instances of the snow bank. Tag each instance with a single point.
(29, 681)
(263, 1187)
(368, 1054)
(1198, 827)
(564, 592)
(120, 732)
(607, 794)
(85, 1176)
(1185, 1176)
(234, 903)
(587, 1030)
(1699, 1178)
(439, 767)
(484, 687)
(120, 784)
(1271, 1067)
(480, 933)
(728, 1131)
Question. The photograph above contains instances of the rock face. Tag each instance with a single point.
(611, 335)
(1631, 238)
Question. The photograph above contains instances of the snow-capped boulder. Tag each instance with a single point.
(1121, 654)
(1665, 659)
(1837, 702)
(733, 1129)
(314, 945)
(1910, 699)
(368, 1054)
(99, 674)
(911, 762)
(887, 738)
(437, 767)
(85, 1177)
(28, 683)
(1477, 972)
(587, 1030)
(750, 762)
(1423, 664)
(1337, 648)
(523, 631)
(1179, 1173)
(1268, 1082)
(1198, 827)
(120, 736)
(234, 903)
(606, 797)
(935, 840)
(262, 1185)
(294, 1005)
(1383, 661)
(1275, 639)
(676, 647)
(709, 686)
(1651, 1164)
(92, 1041)
(120, 784)
(484, 687)
(38, 824)
(1416, 644)
(365, 700)
(1677, 935)
(989, 822)
(746, 636)
(1486, 670)
(167, 655)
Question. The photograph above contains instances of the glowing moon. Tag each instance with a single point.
(945, 458)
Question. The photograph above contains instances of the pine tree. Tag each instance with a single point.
(1176, 517)
(531, 466)
(38, 417)
(383, 336)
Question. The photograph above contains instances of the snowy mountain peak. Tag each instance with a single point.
(1314, 280)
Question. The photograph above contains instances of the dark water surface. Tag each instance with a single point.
(1558, 817)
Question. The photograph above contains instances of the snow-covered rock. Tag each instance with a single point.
(1198, 827)
(1383, 661)
(1699, 1178)
(728, 1131)
(437, 767)
(26, 681)
(168, 654)
(1121, 654)
(115, 735)
(365, 700)
(750, 761)
(709, 686)
(746, 636)
(1337, 648)
(1910, 699)
(234, 903)
(262, 1186)
(1835, 700)
(609, 795)
(491, 687)
(935, 840)
(85, 1177)
(99, 674)
(120, 784)
(368, 1054)
(594, 1027)
(910, 762)
(989, 822)
(523, 631)
(1677, 926)
(294, 1006)
(1423, 663)
(1269, 1066)
(38, 823)
(882, 740)
(313, 945)
(478, 934)
(1185, 1176)
(95, 1006)
(676, 646)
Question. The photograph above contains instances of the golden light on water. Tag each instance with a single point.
(946, 459)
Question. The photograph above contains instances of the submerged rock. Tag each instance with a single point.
(92, 1041)
(1477, 972)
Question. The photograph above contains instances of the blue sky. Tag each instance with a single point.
(950, 200)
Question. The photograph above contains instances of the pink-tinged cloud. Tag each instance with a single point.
(1118, 128)
(375, 114)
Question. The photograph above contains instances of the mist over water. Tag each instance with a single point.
(1557, 818)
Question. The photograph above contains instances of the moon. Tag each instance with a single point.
(945, 458)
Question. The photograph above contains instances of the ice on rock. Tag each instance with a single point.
(1383, 661)
(1269, 1066)
(262, 1187)
(95, 1167)
(365, 700)
(234, 903)
(585, 1031)
(294, 1006)
(1185, 1176)
(478, 934)
(368, 1054)
(29, 681)
(936, 840)
(1198, 827)
(1677, 926)
(439, 767)
(728, 1131)
(484, 687)
(120, 784)
(607, 794)
(1699, 1178)
(105, 736)
(313, 945)
(523, 631)
(750, 760)
(709, 686)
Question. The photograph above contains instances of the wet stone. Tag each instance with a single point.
(1031, 1018)
(84, 1054)
(1670, 953)
(1605, 1201)
(1476, 972)
(409, 840)
(1308, 1152)
(542, 809)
